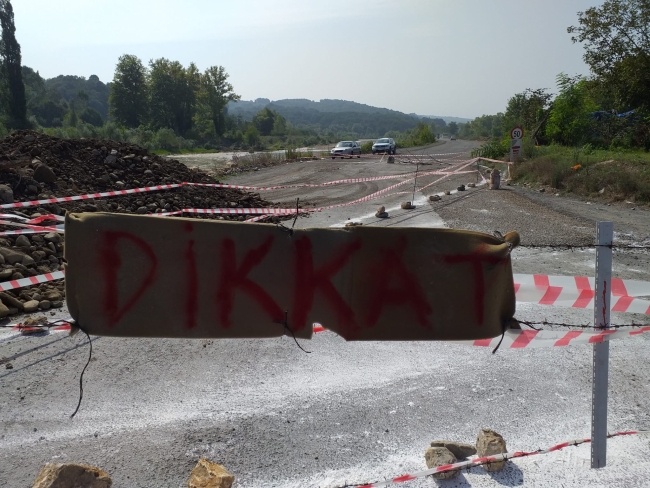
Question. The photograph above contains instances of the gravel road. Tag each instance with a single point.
(347, 412)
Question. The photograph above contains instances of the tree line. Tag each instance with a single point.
(610, 108)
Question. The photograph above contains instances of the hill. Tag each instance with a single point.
(335, 116)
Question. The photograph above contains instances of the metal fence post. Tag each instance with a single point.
(602, 305)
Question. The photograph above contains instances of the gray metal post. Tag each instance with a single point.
(602, 305)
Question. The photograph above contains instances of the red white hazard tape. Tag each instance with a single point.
(494, 160)
(64, 325)
(490, 459)
(90, 196)
(578, 292)
(27, 226)
(32, 280)
(520, 339)
(46, 218)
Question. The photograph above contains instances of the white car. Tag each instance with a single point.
(384, 145)
(346, 149)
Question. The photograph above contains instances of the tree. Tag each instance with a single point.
(453, 128)
(11, 71)
(613, 32)
(215, 93)
(527, 109)
(172, 95)
(91, 116)
(264, 121)
(571, 121)
(128, 93)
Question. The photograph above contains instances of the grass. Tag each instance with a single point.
(613, 175)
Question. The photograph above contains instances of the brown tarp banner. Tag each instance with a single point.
(140, 276)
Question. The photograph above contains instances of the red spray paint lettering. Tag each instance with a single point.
(233, 278)
(111, 262)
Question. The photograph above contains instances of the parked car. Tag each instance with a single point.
(385, 145)
(453, 138)
(346, 149)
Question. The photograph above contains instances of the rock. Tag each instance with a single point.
(407, 206)
(440, 456)
(447, 192)
(142, 210)
(601, 191)
(57, 304)
(72, 476)
(490, 443)
(6, 194)
(89, 207)
(5, 274)
(28, 261)
(119, 185)
(29, 138)
(391, 160)
(352, 224)
(30, 306)
(435, 198)
(11, 256)
(471, 185)
(9, 366)
(381, 209)
(23, 241)
(44, 304)
(207, 474)
(461, 188)
(54, 237)
(113, 152)
(11, 301)
(38, 256)
(542, 190)
(35, 321)
(44, 174)
(17, 276)
(458, 449)
(4, 310)
(53, 295)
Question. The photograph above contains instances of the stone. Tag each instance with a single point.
(495, 179)
(542, 190)
(38, 256)
(119, 185)
(30, 306)
(89, 207)
(30, 138)
(461, 188)
(5, 274)
(9, 366)
(458, 449)
(17, 276)
(435, 198)
(440, 456)
(471, 185)
(35, 321)
(4, 310)
(11, 256)
(142, 210)
(447, 192)
(44, 174)
(71, 475)
(6, 194)
(45, 305)
(381, 213)
(54, 237)
(37, 296)
(28, 261)
(601, 191)
(391, 160)
(207, 474)
(490, 443)
(407, 206)
(352, 224)
(23, 241)
(53, 295)
(11, 301)
(110, 159)
(57, 304)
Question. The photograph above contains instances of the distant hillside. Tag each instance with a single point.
(336, 116)
(447, 118)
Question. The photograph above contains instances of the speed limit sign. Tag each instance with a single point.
(517, 133)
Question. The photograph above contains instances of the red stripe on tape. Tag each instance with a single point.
(600, 337)
(524, 339)
(549, 298)
(568, 337)
(623, 303)
(584, 299)
(483, 342)
(541, 280)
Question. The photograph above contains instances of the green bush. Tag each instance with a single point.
(366, 147)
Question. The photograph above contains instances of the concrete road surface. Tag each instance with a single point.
(346, 413)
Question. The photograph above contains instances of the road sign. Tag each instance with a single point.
(517, 133)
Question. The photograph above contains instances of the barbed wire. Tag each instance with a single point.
(532, 325)
(575, 247)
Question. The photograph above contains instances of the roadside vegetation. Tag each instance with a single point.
(592, 136)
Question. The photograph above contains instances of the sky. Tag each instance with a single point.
(461, 58)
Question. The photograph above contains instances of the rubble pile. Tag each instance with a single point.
(35, 166)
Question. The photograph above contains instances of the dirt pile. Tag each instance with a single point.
(35, 166)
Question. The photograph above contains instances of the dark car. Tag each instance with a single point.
(346, 149)
(384, 145)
